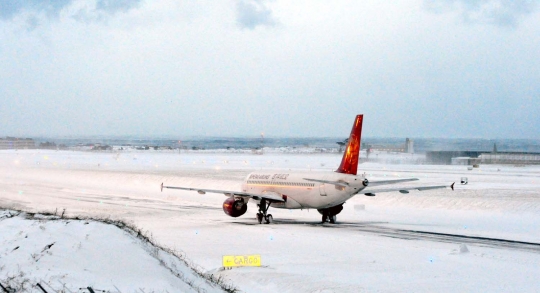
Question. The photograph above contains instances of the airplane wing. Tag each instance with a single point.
(372, 191)
(271, 196)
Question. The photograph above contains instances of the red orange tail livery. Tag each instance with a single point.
(349, 162)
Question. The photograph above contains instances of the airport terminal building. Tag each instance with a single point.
(475, 157)
(9, 143)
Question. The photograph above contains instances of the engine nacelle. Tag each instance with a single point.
(234, 207)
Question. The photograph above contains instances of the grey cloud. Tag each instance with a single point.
(105, 8)
(10, 8)
(498, 12)
(36, 11)
(252, 13)
(114, 6)
(32, 22)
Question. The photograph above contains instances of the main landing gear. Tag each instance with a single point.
(263, 208)
(329, 218)
(329, 214)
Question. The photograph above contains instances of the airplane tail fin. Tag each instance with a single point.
(349, 162)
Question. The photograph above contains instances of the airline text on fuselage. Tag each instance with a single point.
(268, 176)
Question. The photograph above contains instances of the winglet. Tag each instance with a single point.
(452, 186)
(349, 162)
(161, 186)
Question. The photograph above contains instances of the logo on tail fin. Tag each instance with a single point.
(349, 162)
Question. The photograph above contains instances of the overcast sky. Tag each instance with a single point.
(425, 68)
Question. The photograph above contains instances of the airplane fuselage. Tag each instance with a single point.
(300, 193)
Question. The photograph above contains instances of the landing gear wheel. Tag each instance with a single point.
(269, 219)
(324, 217)
(332, 219)
(259, 218)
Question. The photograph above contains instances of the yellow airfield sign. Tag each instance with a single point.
(242, 260)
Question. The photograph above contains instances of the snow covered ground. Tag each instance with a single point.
(390, 242)
(68, 254)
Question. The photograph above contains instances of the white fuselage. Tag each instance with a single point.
(300, 193)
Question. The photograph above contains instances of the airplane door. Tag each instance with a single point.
(322, 191)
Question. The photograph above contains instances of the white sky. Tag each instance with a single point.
(425, 68)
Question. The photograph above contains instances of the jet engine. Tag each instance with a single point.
(234, 207)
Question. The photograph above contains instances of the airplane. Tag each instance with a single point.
(326, 192)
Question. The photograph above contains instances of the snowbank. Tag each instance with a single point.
(106, 255)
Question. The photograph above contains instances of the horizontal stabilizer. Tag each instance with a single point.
(384, 182)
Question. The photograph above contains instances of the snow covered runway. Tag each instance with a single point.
(373, 249)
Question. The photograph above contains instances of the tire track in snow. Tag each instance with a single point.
(439, 237)
(404, 234)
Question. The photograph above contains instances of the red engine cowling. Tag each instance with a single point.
(234, 207)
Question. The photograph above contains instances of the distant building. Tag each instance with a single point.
(468, 161)
(445, 157)
(476, 157)
(16, 143)
(99, 147)
(510, 158)
(409, 146)
(48, 145)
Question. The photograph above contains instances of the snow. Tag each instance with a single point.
(73, 254)
(299, 254)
